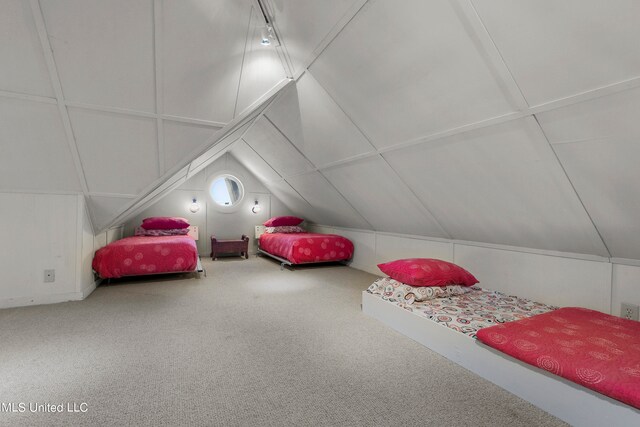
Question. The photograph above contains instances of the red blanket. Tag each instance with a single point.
(134, 256)
(301, 248)
(596, 350)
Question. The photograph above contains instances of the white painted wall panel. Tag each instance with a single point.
(202, 47)
(548, 279)
(35, 154)
(275, 149)
(287, 195)
(381, 198)
(119, 153)
(103, 51)
(405, 70)
(23, 68)
(38, 232)
(605, 173)
(261, 67)
(390, 248)
(329, 207)
(253, 162)
(303, 25)
(315, 124)
(626, 286)
(500, 184)
(558, 49)
(181, 139)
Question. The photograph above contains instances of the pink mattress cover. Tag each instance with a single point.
(596, 350)
(140, 255)
(302, 248)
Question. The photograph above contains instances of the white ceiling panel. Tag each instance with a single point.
(557, 49)
(613, 116)
(105, 209)
(35, 154)
(119, 153)
(329, 207)
(275, 149)
(303, 25)
(182, 139)
(381, 198)
(103, 51)
(287, 195)
(606, 175)
(253, 162)
(202, 49)
(312, 121)
(406, 70)
(500, 184)
(261, 68)
(22, 65)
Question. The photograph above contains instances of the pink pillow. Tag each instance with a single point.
(279, 221)
(427, 272)
(164, 223)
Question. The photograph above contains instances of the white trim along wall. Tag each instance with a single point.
(558, 278)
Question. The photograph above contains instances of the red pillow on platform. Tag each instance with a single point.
(282, 221)
(427, 272)
(164, 223)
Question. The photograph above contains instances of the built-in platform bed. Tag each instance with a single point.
(568, 401)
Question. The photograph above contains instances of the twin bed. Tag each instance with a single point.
(163, 247)
(281, 238)
(580, 365)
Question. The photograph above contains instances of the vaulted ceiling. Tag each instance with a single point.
(486, 120)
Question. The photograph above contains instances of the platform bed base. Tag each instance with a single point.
(199, 269)
(568, 401)
(289, 264)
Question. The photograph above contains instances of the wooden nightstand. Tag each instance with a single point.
(240, 247)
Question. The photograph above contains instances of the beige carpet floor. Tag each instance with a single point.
(249, 345)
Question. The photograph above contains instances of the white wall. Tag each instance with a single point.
(209, 219)
(44, 231)
(563, 279)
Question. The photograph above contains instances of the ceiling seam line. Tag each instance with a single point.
(347, 201)
(487, 43)
(158, 80)
(315, 170)
(262, 158)
(416, 198)
(244, 55)
(28, 97)
(314, 56)
(575, 191)
(368, 139)
(54, 77)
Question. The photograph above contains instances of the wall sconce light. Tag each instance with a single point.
(194, 207)
(256, 208)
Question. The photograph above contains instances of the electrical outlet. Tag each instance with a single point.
(629, 311)
(49, 276)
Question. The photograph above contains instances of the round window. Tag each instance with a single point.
(226, 190)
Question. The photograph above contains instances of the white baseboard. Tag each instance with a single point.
(42, 299)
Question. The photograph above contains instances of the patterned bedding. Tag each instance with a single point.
(140, 255)
(303, 248)
(472, 311)
(596, 350)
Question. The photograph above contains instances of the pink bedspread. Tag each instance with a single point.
(301, 248)
(134, 256)
(596, 350)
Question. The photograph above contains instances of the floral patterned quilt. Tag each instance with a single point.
(472, 311)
